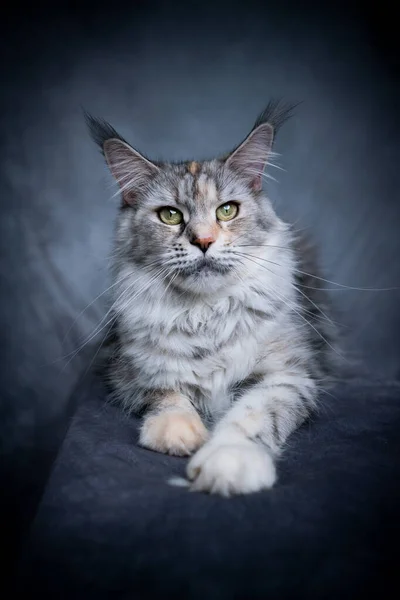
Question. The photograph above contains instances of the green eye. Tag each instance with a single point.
(228, 211)
(170, 216)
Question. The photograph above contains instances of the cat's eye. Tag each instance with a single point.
(227, 211)
(170, 216)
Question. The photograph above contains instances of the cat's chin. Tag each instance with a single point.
(206, 276)
(205, 281)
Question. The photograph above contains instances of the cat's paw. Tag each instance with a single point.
(229, 469)
(173, 432)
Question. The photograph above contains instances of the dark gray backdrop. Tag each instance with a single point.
(180, 80)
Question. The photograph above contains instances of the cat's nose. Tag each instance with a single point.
(203, 243)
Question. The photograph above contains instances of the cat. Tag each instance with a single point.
(220, 337)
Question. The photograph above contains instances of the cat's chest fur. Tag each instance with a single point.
(205, 346)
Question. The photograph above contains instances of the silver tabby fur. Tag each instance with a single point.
(224, 353)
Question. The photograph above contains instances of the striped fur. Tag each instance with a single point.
(236, 339)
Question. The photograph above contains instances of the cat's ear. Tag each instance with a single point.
(131, 170)
(251, 156)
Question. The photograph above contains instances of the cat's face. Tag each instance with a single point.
(192, 222)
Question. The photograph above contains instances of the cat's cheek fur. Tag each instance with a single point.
(229, 467)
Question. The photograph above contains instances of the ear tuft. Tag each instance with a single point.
(101, 131)
(276, 113)
(251, 156)
(131, 170)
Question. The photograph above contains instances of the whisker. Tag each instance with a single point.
(349, 287)
(75, 353)
(113, 318)
(98, 349)
(90, 304)
(324, 315)
(116, 301)
(102, 325)
(264, 246)
(285, 301)
(341, 285)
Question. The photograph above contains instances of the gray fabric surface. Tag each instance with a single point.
(110, 526)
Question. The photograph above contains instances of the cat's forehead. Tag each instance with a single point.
(197, 184)
(196, 172)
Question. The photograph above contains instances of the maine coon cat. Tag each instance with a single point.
(220, 334)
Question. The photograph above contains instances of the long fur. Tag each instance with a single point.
(225, 352)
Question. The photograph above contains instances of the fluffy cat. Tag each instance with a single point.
(220, 335)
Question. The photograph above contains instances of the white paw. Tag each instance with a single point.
(228, 469)
(173, 432)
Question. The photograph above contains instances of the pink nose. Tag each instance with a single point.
(203, 243)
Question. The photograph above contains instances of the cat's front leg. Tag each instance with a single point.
(172, 425)
(239, 457)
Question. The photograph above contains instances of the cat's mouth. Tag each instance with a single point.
(206, 266)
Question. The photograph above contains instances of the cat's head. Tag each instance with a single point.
(191, 222)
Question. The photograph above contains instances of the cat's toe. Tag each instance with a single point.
(174, 432)
(230, 469)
